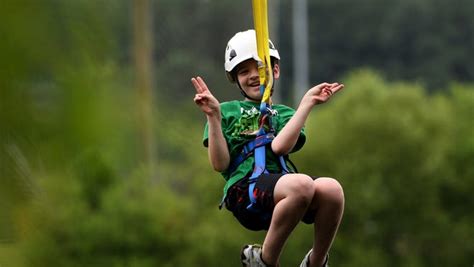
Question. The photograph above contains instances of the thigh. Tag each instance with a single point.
(294, 184)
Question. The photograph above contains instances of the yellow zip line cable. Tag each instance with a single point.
(265, 71)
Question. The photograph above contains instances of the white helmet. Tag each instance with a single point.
(241, 47)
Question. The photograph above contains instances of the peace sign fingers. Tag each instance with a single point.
(200, 85)
(336, 87)
(204, 99)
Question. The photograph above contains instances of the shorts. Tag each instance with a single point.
(238, 199)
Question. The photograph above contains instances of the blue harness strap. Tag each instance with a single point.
(260, 159)
(249, 149)
(258, 170)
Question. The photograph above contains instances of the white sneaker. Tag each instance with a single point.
(251, 256)
(305, 262)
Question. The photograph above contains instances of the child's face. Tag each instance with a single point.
(247, 76)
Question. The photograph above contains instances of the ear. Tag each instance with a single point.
(276, 71)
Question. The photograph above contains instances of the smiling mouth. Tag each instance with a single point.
(255, 85)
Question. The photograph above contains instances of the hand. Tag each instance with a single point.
(204, 99)
(321, 93)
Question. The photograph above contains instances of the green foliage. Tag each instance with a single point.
(74, 192)
(134, 225)
(392, 147)
(400, 154)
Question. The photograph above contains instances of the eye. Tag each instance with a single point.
(243, 71)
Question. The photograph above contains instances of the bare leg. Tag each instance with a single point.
(328, 201)
(292, 195)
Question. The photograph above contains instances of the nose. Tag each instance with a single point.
(254, 73)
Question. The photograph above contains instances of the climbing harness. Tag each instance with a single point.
(266, 131)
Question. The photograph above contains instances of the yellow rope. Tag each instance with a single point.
(265, 71)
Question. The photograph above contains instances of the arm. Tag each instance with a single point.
(218, 152)
(287, 137)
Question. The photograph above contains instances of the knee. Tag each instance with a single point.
(330, 190)
(296, 187)
(302, 188)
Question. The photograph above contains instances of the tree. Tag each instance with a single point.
(392, 146)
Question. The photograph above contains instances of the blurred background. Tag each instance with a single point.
(101, 155)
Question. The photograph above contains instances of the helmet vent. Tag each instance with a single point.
(232, 54)
(270, 44)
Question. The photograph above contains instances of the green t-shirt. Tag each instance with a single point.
(239, 124)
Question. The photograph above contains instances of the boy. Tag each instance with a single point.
(283, 199)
